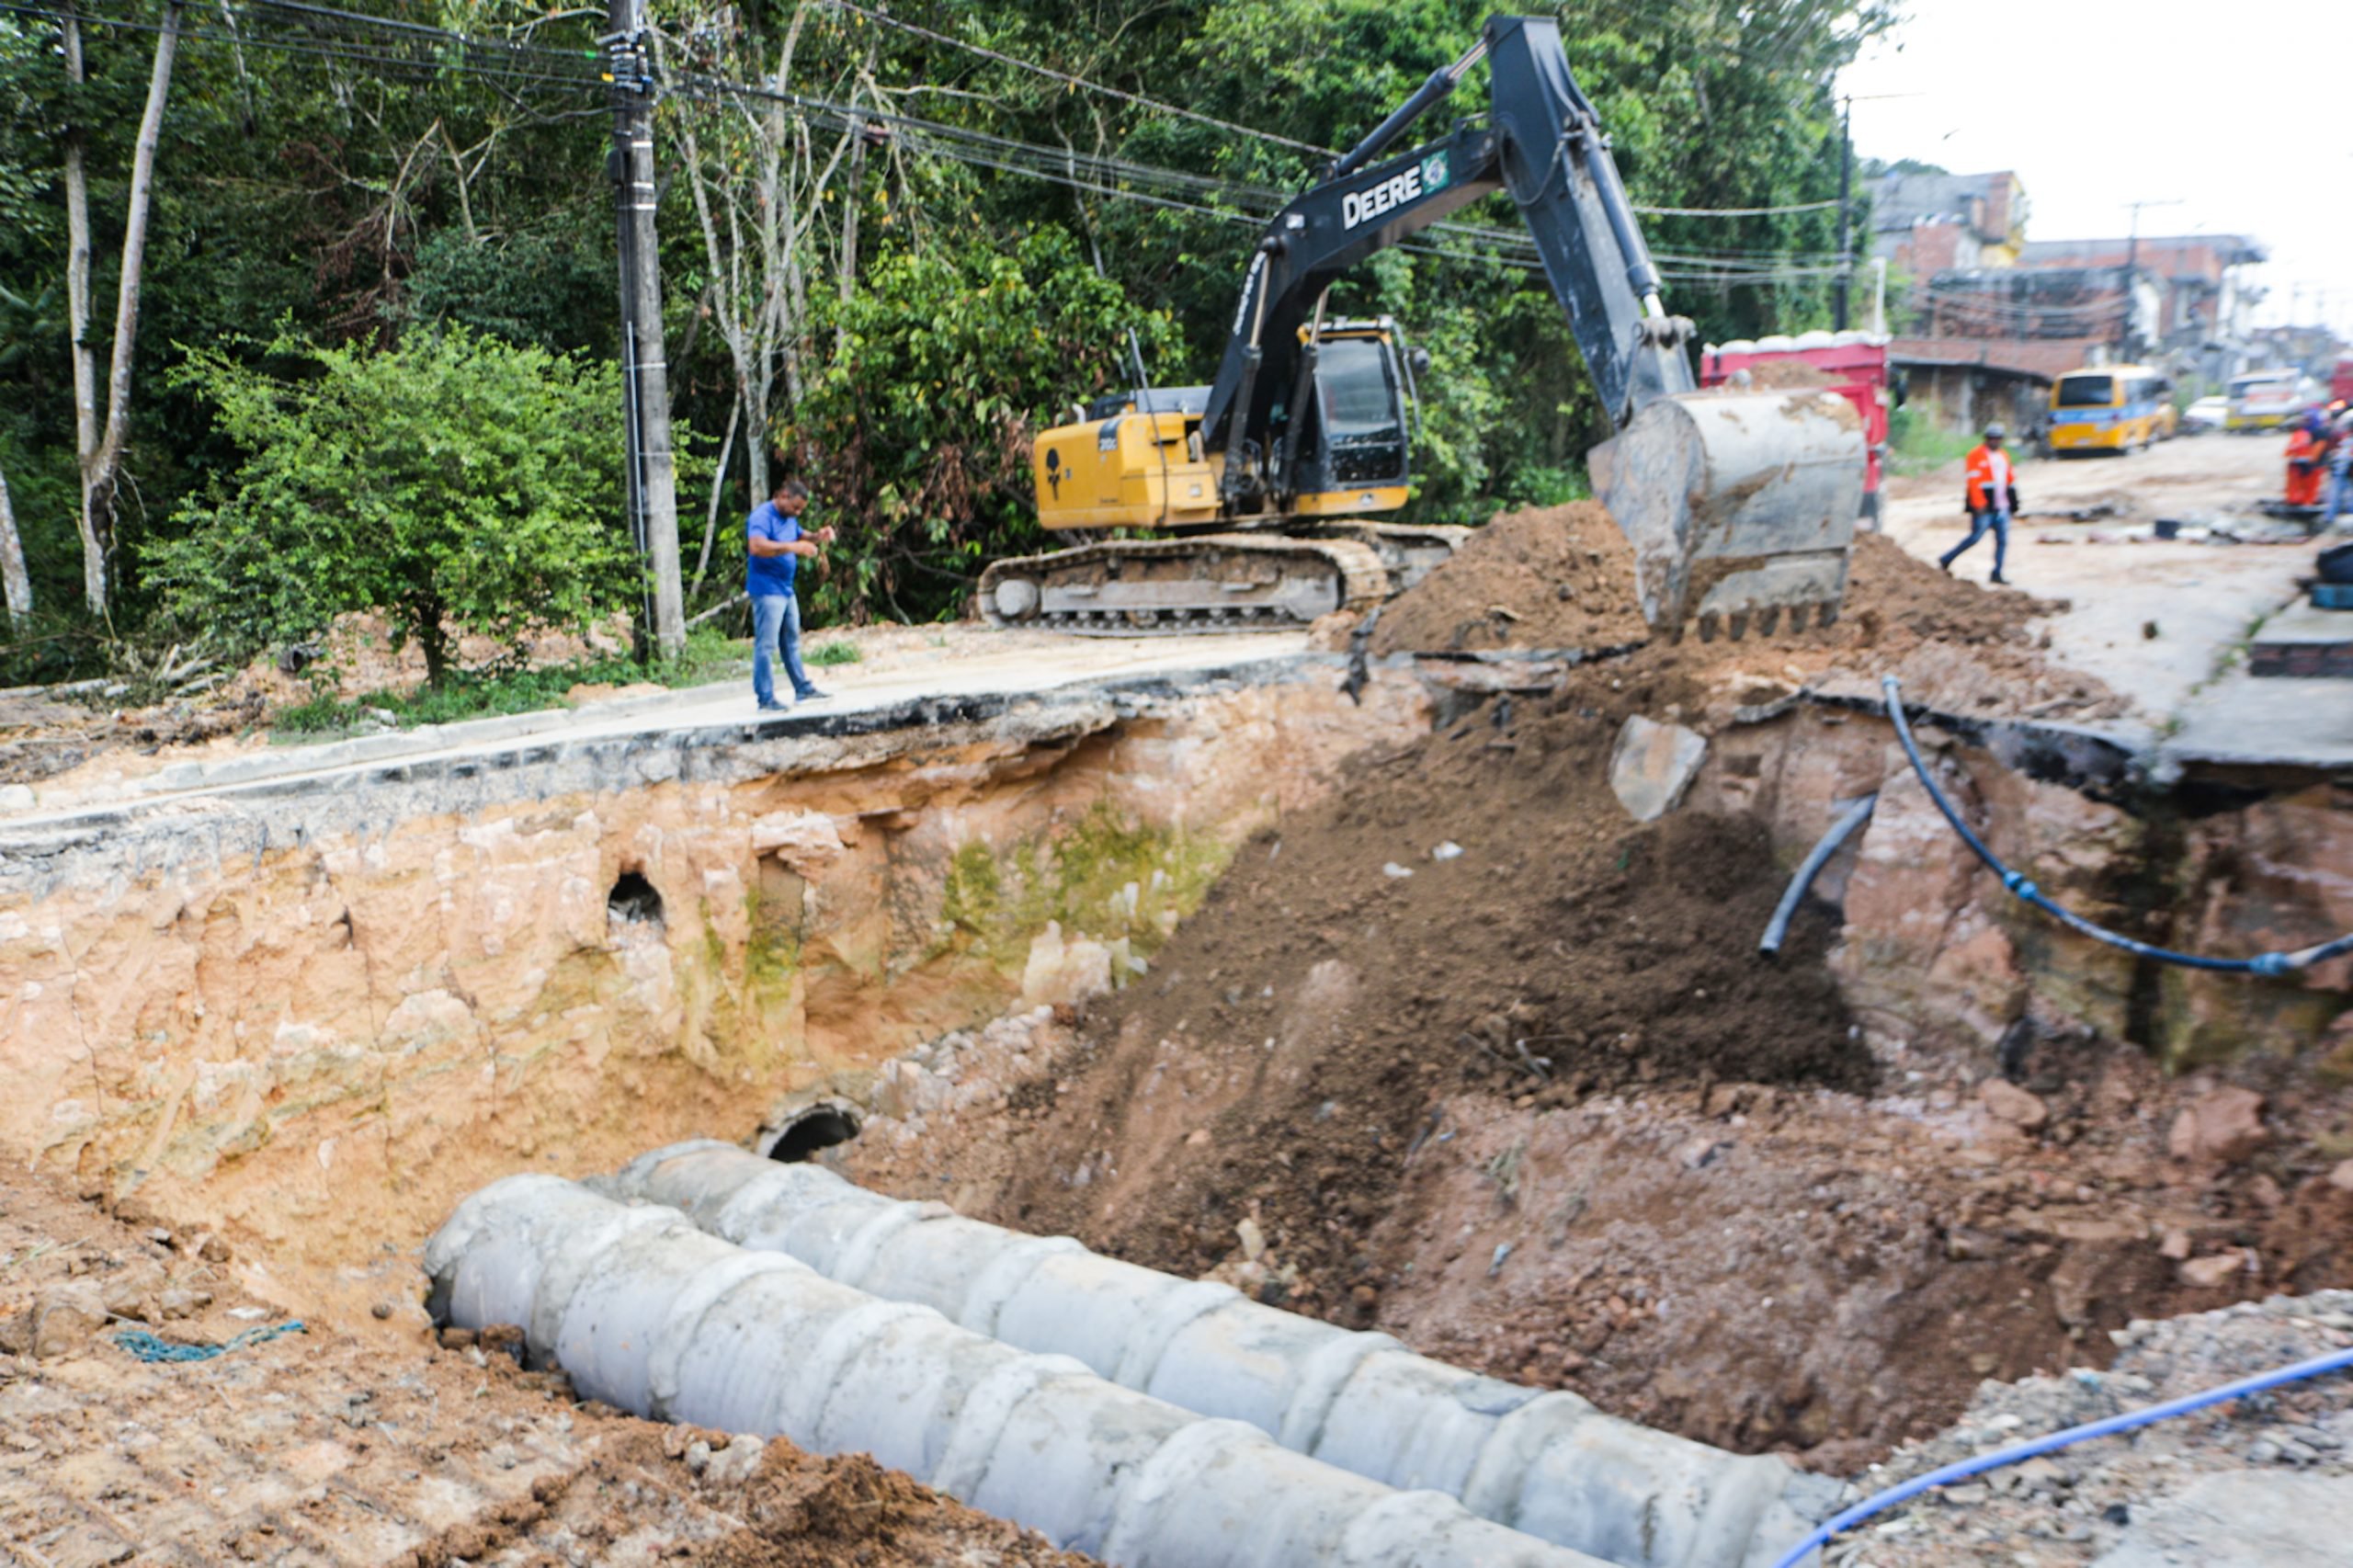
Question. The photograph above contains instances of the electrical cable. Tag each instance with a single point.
(2319, 1366)
(315, 50)
(1139, 101)
(2016, 883)
(1069, 80)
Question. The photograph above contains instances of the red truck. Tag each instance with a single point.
(1854, 363)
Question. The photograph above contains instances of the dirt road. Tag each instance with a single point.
(2199, 598)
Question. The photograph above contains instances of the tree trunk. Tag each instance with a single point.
(18, 586)
(433, 640)
(77, 297)
(100, 448)
(718, 491)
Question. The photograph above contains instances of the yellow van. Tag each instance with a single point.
(2116, 408)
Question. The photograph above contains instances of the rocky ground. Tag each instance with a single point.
(392, 1450)
(2267, 1480)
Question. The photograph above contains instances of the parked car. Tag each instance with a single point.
(2205, 414)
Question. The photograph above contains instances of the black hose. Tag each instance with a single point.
(1847, 821)
(2017, 883)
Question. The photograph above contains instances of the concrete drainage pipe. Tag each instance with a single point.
(1547, 1464)
(649, 1314)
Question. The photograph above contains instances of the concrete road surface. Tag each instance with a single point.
(2200, 598)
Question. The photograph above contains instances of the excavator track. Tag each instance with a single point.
(1410, 551)
(1232, 582)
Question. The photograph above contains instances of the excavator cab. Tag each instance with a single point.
(1345, 449)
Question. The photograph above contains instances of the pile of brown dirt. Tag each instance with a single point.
(1778, 375)
(1549, 577)
(1563, 577)
(1476, 914)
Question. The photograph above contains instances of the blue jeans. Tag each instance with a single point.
(2340, 492)
(776, 618)
(1978, 523)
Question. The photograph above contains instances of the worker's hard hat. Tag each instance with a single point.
(1995, 433)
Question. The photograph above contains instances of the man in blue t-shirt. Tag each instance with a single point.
(774, 543)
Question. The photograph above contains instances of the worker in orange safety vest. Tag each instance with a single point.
(1992, 499)
(2307, 460)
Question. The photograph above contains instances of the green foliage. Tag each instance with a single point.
(1917, 444)
(917, 432)
(453, 482)
(475, 694)
(840, 651)
(547, 291)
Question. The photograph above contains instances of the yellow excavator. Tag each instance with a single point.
(1267, 485)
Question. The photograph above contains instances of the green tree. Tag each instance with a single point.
(453, 482)
(917, 430)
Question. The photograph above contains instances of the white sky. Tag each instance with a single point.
(2239, 110)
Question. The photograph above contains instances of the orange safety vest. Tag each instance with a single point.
(2307, 457)
(1983, 485)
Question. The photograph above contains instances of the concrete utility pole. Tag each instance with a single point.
(652, 474)
(2126, 339)
(1846, 213)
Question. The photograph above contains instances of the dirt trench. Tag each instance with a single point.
(1466, 1056)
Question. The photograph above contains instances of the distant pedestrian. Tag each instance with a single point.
(2307, 460)
(774, 542)
(1992, 498)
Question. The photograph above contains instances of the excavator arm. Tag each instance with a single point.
(1738, 506)
(1544, 144)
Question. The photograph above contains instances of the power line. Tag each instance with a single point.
(317, 49)
(1142, 102)
(1068, 79)
(981, 149)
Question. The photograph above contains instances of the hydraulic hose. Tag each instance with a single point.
(2018, 883)
(2335, 1361)
(1847, 821)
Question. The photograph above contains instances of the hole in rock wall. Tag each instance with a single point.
(633, 901)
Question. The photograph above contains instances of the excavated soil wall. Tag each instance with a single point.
(314, 1016)
(1468, 1055)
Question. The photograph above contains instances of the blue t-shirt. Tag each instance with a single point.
(770, 575)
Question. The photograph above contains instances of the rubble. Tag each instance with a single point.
(2132, 1500)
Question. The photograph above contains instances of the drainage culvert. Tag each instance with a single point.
(1549, 1464)
(647, 1312)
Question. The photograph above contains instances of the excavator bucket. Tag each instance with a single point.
(1741, 507)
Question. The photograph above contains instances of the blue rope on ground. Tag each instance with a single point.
(2335, 1361)
(148, 1347)
(2017, 883)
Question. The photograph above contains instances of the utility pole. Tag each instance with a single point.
(2127, 346)
(1846, 212)
(652, 474)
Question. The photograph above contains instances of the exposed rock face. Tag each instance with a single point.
(1932, 946)
(413, 989)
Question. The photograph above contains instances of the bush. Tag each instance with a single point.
(455, 480)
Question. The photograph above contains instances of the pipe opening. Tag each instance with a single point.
(633, 901)
(820, 1127)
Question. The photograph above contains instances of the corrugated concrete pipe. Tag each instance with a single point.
(1547, 1464)
(649, 1314)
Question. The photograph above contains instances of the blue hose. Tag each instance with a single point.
(2017, 883)
(2336, 1361)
